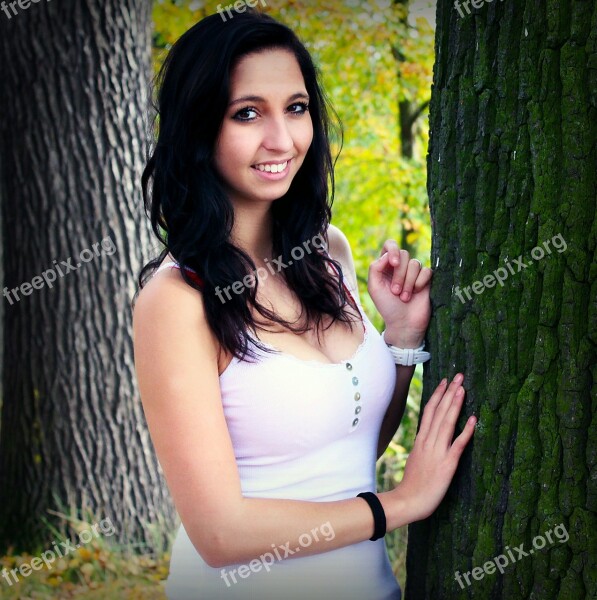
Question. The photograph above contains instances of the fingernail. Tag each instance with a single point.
(443, 381)
(459, 378)
(397, 288)
(406, 296)
(395, 260)
(460, 391)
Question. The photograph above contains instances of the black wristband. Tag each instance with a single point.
(379, 516)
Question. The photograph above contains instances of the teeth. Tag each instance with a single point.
(272, 168)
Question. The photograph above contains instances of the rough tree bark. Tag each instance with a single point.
(74, 92)
(512, 163)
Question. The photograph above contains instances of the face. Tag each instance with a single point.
(266, 123)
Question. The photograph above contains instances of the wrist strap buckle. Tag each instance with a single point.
(407, 356)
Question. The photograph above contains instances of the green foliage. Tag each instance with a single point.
(171, 18)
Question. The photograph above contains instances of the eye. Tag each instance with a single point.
(247, 109)
(304, 108)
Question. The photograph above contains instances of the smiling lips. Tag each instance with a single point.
(271, 167)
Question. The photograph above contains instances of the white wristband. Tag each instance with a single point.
(407, 356)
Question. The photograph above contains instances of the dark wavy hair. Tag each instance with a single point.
(185, 199)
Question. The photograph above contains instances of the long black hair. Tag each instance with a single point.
(185, 198)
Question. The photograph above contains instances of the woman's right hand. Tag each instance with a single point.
(432, 463)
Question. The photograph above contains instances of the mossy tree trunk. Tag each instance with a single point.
(75, 78)
(512, 165)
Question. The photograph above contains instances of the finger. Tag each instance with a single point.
(391, 246)
(400, 272)
(378, 265)
(463, 439)
(448, 425)
(376, 271)
(412, 272)
(443, 408)
(431, 407)
(423, 279)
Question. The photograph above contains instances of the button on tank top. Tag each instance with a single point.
(302, 430)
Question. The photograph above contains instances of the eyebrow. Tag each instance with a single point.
(260, 99)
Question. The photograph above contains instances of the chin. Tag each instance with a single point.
(271, 195)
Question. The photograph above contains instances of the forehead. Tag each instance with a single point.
(268, 71)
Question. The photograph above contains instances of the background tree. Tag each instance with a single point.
(74, 99)
(512, 163)
(414, 63)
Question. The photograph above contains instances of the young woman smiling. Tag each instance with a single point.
(268, 428)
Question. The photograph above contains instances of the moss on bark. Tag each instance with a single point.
(512, 165)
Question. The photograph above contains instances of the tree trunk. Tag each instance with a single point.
(512, 165)
(74, 98)
(408, 115)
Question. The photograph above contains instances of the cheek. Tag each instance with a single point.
(304, 137)
(233, 148)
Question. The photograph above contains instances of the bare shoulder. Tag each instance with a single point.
(164, 291)
(339, 249)
(168, 306)
(175, 354)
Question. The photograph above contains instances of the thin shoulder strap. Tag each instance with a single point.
(166, 265)
(175, 265)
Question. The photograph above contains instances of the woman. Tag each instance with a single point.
(267, 429)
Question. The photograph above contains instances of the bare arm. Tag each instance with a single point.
(177, 372)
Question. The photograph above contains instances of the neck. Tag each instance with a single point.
(252, 231)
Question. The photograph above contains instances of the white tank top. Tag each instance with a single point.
(301, 430)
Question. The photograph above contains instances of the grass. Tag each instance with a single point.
(97, 569)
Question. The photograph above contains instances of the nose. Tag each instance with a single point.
(277, 136)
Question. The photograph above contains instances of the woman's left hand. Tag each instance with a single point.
(399, 287)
